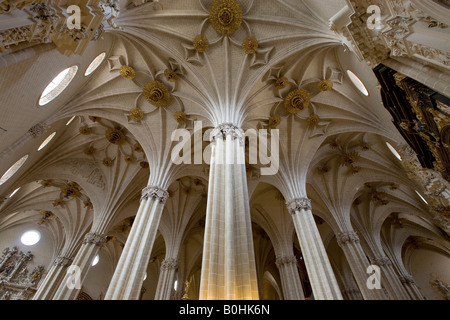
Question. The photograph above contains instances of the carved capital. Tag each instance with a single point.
(94, 238)
(228, 129)
(155, 193)
(169, 264)
(298, 204)
(407, 279)
(381, 261)
(63, 261)
(286, 260)
(345, 238)
(36, 130)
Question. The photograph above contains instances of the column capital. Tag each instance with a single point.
(169, 264)
(285, 260)
(407, 279)
(94, 238)
(155, 193)
(63, 261)
(298, 204)
(227, 129)
(381, 261)
(347, 237)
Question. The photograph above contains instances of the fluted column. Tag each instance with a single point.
(290, 278)
(166, 279)
(228, 266)
(92, 244)
(389, 279)
(323, 281)
(52, 280)
(352, 294)
(411, 287)
(349, 242)
(129, 274)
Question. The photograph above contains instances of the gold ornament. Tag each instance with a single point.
(107, 162)
(156, 93)
(94, 119)
(313, 120)
(127, 72)
(250, 45)
(225, 16)
(128, 158)
(115, 136)
(170, 75)
(325, 85)
(136, 114)
(281, 83)
(274, 121)
(137, 147)
(297, 101)
(89, 151)
(58, 203)
(85, 130)
(88, 204)
(201, 43)
(70, 191)
(180, 117)
(348, 159)
(144, 164)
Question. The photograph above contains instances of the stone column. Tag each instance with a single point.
(349, 242)
(228, 267)
(411, 287)
(52, 280)
(166, 279)
(290, 278)
(389, 279)
(129, 274)
(323, 281)
(91, 245)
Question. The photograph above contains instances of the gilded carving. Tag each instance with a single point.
(115, 136)
(225, 16)
(127, 72)
(136, 114)
(325, 85)
(274, 121)
(249, 45)
(297, 101)
(156, 93)
(201, 43)
(180, 117)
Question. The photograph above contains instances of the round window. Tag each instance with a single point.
(30, 238)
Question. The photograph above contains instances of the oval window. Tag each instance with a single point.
(30, 238)
(95, 64)
(394, 152)
(13, 169)
(58, 84)
(46, 141)
(358, 83)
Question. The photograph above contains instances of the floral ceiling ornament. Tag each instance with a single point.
(156, 93)
(250, 45)
(201, 43)
(325, 85)
(112, 142)
(127, 72)
(225, 16)
(295, 100)
(68, 190)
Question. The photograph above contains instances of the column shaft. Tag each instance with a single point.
(129, 274)
(166, 279)
(290, 278)
(323, 281)
(228, 269)
(49, 285)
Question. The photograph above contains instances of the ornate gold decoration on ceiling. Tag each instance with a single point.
(225, 16)
(180, 117)
(201, 43)
(170, 75)
(127, 72)
(109, 134)
(156, 93)
(136, 114)
(274, 121)
(325, 85)
(313, 120)
(68, 190)
(250, 44)
(281, 83)
(297, 101)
